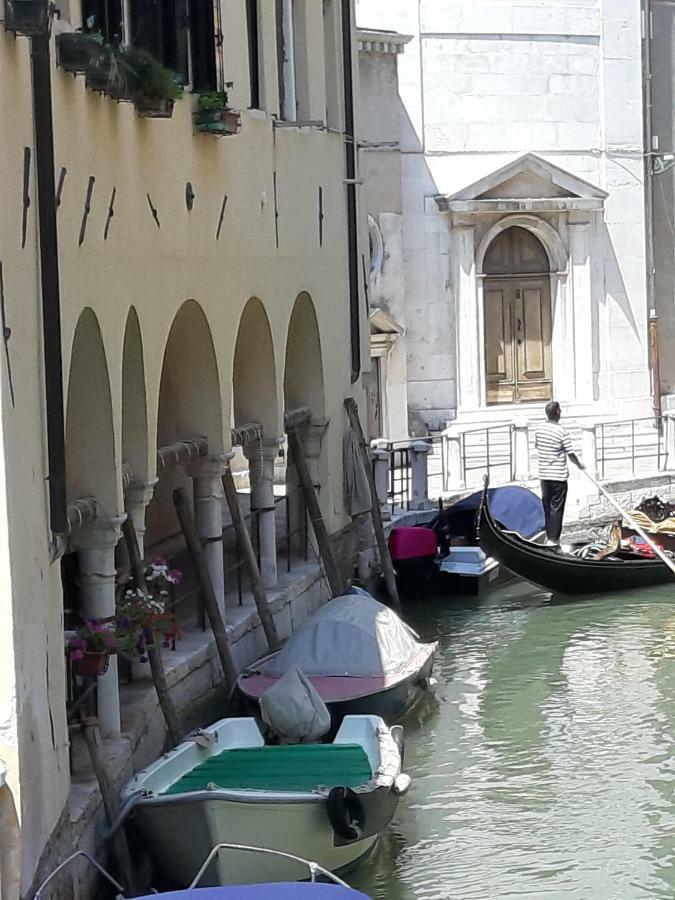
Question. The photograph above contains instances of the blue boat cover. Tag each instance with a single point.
(515, 508)
(278, 891)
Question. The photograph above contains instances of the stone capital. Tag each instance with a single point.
(266, 449)
(209, 467)
(102, 534)
(420, 447)
(313, 437)
(140, 493)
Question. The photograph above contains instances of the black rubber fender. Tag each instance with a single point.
(346, 813)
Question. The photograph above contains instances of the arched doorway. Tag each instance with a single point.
(517, 316)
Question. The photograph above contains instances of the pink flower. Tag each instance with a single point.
(75, 655)
(175, 576)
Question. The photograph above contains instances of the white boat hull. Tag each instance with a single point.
(178, 833)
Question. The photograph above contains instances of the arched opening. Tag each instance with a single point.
(189, 407)
(517, 318)
(90, 441)
(253, 377)
(303, 372)
(134, 404)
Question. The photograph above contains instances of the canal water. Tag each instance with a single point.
(547, 768)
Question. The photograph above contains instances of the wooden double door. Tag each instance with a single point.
(517, 325)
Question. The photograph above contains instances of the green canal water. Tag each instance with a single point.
(547, 769)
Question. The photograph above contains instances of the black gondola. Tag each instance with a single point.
(562, 572)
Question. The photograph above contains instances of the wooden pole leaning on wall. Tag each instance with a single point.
(250, 561)
(382, 546)
(111, 803)
(312, 503)
(196, 551)
(171, 717)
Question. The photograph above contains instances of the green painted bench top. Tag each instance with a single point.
(297, 767)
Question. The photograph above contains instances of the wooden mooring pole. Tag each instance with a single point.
(196, 552)
(385, 557)
(250, 561)
(171, 717)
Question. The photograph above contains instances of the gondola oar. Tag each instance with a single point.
(631, 521)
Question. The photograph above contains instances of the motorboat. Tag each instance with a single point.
(330, 887)
(328, 801)
(568, 573)
(444, 556)
(358, 654)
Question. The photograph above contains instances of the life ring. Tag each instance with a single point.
(346, 813)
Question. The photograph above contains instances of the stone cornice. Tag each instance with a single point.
(382, 41)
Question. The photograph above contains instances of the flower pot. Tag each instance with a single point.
(218, 121)
(76, 51)
(92, 664)
(153, 108)
(27, 16)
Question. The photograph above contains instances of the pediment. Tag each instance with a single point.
(527, 183)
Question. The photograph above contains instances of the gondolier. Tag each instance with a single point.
(554, 447)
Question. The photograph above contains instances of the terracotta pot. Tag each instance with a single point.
(218, 121)
(92, 664)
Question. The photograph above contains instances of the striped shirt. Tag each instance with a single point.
(553, 444)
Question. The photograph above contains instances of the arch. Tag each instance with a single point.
(303, 368)
(189, 391)
(90, 437)
(548, 236)
(375, 246)
(134, 401)
(254, 380)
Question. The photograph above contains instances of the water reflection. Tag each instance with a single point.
(548, 768)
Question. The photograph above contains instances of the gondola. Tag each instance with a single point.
(562, 572)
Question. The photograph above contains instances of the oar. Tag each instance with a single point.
(631, 521)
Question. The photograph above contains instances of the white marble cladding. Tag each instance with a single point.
(481, 83)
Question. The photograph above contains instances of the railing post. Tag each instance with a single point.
(453, 462)
(419, 451)
(670, 440)
(521, 451)
(589, 449)
(381, 458)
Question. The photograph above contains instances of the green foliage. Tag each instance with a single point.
(210, 100)
(146, 77)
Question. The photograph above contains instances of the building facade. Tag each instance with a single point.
(520, 223)
(205, 291)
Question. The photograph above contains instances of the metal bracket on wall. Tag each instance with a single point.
(153, 210)
(59, 187)
(111, 213)
(26, 195)
(221, 217)
(86, 210)
(189, 196)
(320, 216)
(6, 335)
(276, 211)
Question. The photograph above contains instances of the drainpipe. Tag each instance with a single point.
(49, 279)
(350, 166)
(652, 318)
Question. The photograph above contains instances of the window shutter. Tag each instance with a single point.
(203, 45)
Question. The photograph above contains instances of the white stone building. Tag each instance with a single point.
(514, 245)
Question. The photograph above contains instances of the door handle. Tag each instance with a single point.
(519, 331)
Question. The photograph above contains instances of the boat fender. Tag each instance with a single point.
(346, 813)
(401, 784)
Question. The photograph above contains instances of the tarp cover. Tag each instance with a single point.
(294, 710)
(356, 487)
(351, 635)
(281, 891)
(515, 508)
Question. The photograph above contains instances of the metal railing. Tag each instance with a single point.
(637, 446)
(488, 451)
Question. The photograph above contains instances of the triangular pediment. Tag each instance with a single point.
(529, 177)
(382, 322)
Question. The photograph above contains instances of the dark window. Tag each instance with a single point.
(203, 46)
(104, 17)
(253, 51)
(161, 28)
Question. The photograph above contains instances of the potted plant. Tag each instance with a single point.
(89, 651)
(77, 49)
(213, 115)
(106, 73)
(27, 16)
(143, 621)
(151, 85)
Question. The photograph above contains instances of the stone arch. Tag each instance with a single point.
(189, 402)
(90, 435)
(134, 401)
(303, 369)
(546, 233)
(253, 373)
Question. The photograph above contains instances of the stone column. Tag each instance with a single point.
(468, 318)
(261, 456)
(589, 449)
(381, 459)
(521, 453)
(208, 498)
(580, 271)
(669, 420)
(312, 439)
(139, 494)
(95, 545)
(453, 462)
(419, 469)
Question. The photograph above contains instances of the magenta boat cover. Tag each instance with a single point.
(412, 543)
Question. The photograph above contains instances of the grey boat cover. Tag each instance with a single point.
(294, 710)
(351, 635)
